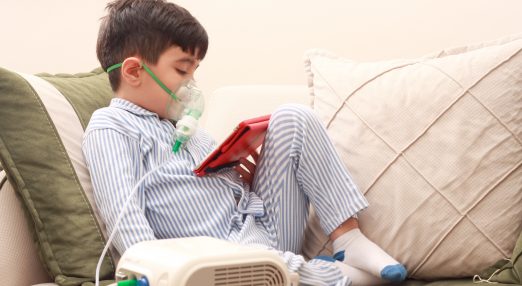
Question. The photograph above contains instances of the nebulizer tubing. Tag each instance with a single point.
(118, 220)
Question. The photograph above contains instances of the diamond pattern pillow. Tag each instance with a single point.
(435, 144)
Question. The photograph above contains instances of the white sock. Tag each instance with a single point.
(358, 276)
(362, 253)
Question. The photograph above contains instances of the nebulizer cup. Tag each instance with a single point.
(187, 110)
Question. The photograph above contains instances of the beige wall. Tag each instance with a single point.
(261, 41)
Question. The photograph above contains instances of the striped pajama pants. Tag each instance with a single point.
(299, 165)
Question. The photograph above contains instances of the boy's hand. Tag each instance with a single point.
(247, 168)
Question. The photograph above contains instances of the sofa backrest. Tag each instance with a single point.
(229, 105)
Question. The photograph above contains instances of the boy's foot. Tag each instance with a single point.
(355, 249)
(358, 276)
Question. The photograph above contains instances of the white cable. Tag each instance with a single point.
(120, 216)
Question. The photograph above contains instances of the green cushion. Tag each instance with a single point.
(507, 271)
(42, 121)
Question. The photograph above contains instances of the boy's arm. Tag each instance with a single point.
(114, 161)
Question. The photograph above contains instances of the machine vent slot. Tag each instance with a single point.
(249, 275)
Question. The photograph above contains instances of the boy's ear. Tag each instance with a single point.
(131, 71)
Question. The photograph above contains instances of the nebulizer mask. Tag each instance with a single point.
(185, 106)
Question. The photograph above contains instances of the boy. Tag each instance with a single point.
(152, 47)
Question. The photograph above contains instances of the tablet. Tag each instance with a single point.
(246, 137)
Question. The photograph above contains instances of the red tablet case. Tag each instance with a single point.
(247, 136)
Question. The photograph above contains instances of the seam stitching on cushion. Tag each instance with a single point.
(432, 185)
(397, 155)
(497, 118)
(437, 244)
(46, 240)
(316, 72)
(82, 121)
(19, 187)
(73, 171)
(4, 178)
(478, 100)
(466, 91)
(462, 215)
(507, 174)
(440, 193)
(343, 102)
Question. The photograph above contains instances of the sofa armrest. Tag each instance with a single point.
(229, 105)
(19, 261)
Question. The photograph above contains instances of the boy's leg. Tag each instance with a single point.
(299, 163)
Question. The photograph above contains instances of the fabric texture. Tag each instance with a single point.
(43, 117)
(19, 264)
(435, 144)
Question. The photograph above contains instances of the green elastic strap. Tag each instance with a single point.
(113, 67)
(156, 79)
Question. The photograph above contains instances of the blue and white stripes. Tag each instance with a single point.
(298, 164)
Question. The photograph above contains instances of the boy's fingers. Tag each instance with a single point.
(255, 155)
(251, 167)
(245, 175)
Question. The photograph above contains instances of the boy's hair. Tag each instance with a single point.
(146, 28)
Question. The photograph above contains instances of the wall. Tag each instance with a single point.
(261, 41)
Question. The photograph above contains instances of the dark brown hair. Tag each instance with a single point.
(146, 28)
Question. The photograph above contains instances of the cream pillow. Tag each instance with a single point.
(435, 144)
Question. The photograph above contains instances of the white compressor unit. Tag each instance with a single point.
(201, 261)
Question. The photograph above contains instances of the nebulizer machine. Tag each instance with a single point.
(185, 106)
(192, 261)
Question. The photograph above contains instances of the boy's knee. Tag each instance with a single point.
(293, 111)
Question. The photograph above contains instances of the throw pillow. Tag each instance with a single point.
(43, 119)
(435, 144)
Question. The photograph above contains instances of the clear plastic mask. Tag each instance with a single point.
(188, 100)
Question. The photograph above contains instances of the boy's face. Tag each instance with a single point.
(174, 67)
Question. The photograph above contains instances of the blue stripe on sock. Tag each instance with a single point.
(339, 256)
(394, 273)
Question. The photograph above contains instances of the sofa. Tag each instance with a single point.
(50, 231)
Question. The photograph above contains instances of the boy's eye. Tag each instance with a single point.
(181, 72)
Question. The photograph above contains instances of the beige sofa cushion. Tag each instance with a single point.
(19, 261)
(435, 144)
(247, 101)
